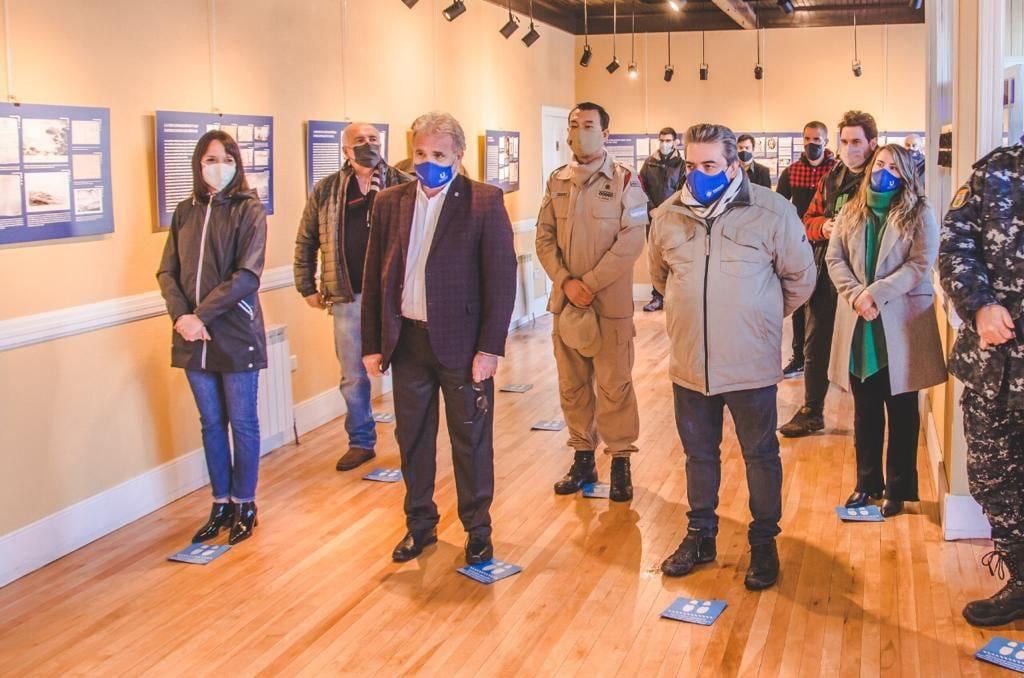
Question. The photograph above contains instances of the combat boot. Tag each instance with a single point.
(1008, 603)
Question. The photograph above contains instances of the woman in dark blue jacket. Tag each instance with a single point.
(210, 277)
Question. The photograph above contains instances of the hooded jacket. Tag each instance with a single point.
(211, 267)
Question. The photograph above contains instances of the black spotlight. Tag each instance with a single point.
(588, 54)
(510, 27)
(916, 4)
(410, 3)
(786, 6)
(454, 10)
(614, 65)
(531, 37)
(703, 71)
(857, 69)
(758, 72)
(670, 70)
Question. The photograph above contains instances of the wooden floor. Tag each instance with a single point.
(315, 592)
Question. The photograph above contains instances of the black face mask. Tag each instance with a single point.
(367, 155)
(814, 151)
(746, 156)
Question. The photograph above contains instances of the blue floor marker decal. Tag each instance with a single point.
(596, 490)
(384, 475)
(1003, 652)
(199, 554)
(864, 514)
(490, 572)
(694, 611)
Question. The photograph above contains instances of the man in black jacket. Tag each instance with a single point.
(797, 183)
(336, 223)
(756, 172)
(661, 176)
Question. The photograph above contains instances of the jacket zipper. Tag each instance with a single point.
(707, 269)
(199, 271)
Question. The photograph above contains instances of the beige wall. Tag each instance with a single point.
(807, 76)
(82, 414)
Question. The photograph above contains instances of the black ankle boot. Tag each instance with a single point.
(622, 480)
(582, 472)
(245, 521)
(221, 516)
(1008, 604)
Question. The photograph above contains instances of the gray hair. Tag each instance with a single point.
(437, 122)
(708, 133)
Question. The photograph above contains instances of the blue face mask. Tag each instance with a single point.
(707, 188)
(434, 176)
(884, 181)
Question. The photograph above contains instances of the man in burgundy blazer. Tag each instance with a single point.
(438, 291)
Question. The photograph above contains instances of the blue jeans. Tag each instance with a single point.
(355, 383)
(223, 398)
(755, 415)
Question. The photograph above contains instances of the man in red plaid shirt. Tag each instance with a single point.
(797, 184)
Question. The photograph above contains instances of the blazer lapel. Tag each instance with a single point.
(452, 202)
(406, 209)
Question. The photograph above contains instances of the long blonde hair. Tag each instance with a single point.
(906, 213)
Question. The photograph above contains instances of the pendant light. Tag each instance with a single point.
(532, 36)
(633, 72)
(613, 65)
(587, 52)
(511, 26)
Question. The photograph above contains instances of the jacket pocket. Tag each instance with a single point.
(743, 254)
(247, 309)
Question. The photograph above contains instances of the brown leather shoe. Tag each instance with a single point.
(356, 456)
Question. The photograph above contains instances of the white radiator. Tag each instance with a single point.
(277, 416)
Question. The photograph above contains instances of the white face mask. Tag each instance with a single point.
(218, 175)
(666, 148)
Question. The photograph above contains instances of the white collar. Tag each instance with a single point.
(443, 193)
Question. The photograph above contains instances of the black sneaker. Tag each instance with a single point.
(804, 423)
(697, 548)
(1007, 604)
(655, 304)
(794, 369)
(764, 567)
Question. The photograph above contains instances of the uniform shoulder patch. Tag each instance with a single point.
(960, 199)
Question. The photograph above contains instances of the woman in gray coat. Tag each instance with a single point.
(886, 345)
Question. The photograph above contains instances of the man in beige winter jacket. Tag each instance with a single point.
(590, 231)
(732, 260)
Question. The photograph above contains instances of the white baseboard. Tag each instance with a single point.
(642, 291)
(44, 541)
(936, 464)
(964, 519)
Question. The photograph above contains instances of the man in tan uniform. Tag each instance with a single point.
(590, 231)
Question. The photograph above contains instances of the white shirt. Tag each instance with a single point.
(424, 223)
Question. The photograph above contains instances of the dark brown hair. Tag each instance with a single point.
(238, 182)
(865, 121)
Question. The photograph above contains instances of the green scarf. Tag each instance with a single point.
(869, 355)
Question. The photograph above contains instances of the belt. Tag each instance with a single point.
(420, 324)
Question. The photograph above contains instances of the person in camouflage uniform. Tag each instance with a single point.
(981, 263)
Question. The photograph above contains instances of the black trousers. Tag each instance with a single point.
(799, 337)
(872, 401)
(820, 319)
(418, 377)
(655, 294)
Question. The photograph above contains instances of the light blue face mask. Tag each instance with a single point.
(432, 175)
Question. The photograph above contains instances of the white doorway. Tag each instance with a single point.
(554, 140)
